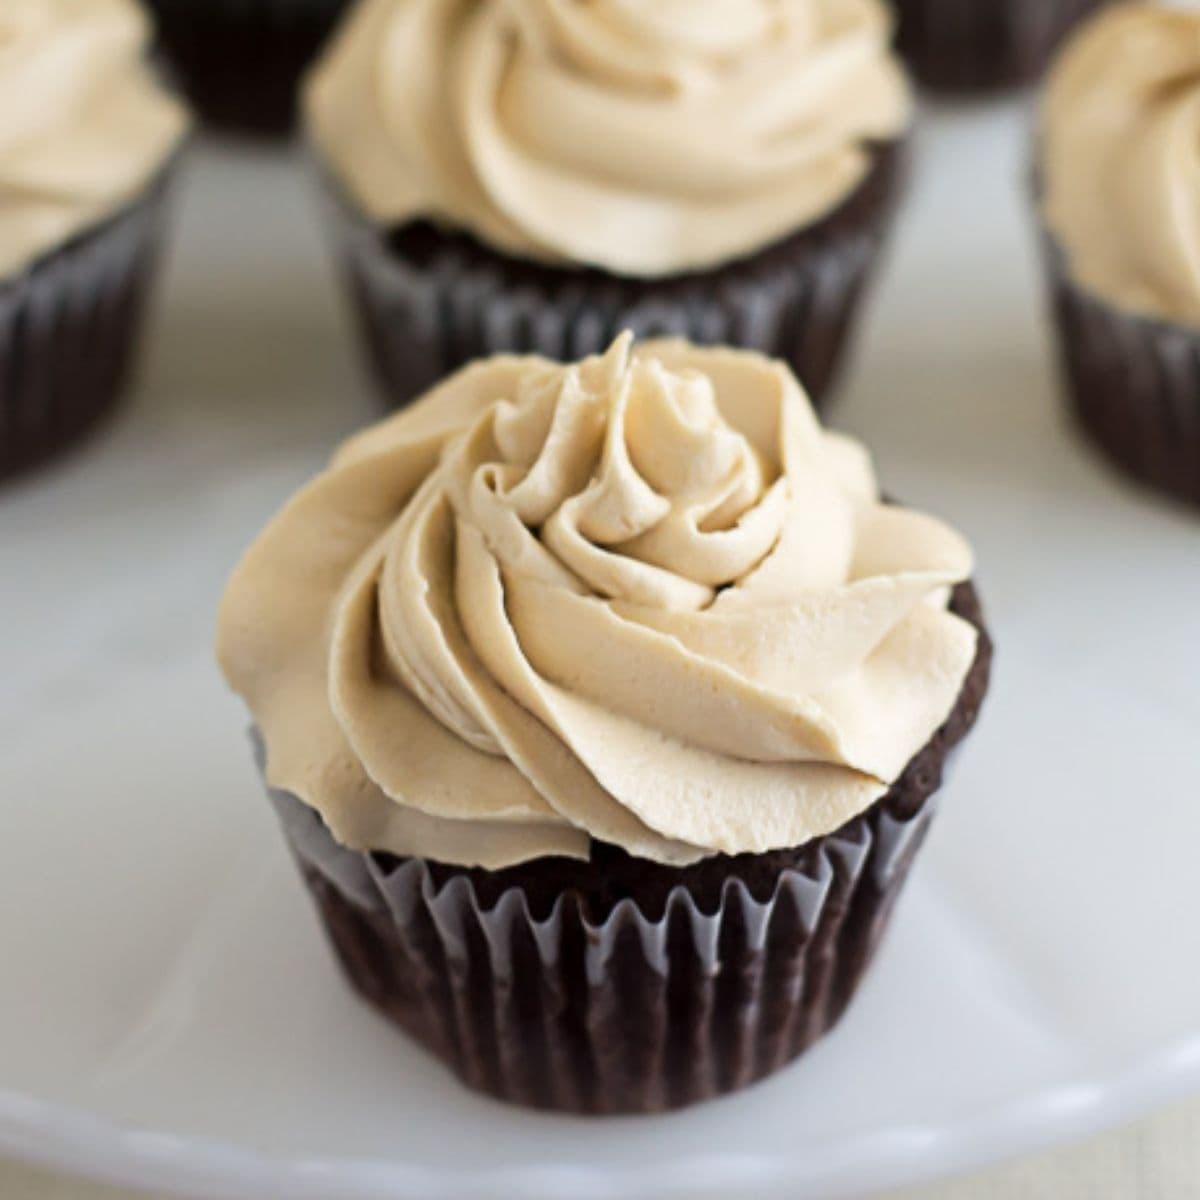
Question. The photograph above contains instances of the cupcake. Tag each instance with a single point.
(1117, 179)
(87, 140)
(527, 177)
(241, 61)
(603, 706)
(983, 45)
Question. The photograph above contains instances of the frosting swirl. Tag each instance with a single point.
(643, 599)
(647, 139)
(84, 125)
(1121, 158)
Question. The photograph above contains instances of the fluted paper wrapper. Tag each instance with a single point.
(626, 1014)
(69, 326)
(618, 985)
(429, 301)
(1133, 383)
(984, 45)
(241, 61)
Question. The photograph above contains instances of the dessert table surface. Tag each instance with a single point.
(1157, 1158)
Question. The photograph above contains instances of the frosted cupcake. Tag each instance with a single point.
(535, 178)
(984, 45)
(241, 61)
(1118, 158)
(87, 140)
(602, 706)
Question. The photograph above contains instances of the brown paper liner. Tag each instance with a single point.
(984, 45)
(1133, 383)
(69, 325)
(430, 300)
(617, 985)
(241, 61)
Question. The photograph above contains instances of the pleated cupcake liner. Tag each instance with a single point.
(1133, 383)
(241, 62)
(984, 45)
(69, 326)
(626, 1014)
(617, 985)
(429, 300)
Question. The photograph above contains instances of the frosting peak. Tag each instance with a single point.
(85, 126)
(1121, 158)
(643, 599)
(630, 477)
(647, 139)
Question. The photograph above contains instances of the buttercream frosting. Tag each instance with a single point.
(643, 599)
(646, 139)
(1120, 162)
(84, 123)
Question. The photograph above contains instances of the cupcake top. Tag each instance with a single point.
(84, 123)
(1120, 158)
(645, 139)
(643, 598)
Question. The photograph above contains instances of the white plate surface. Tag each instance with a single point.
(169, 1014)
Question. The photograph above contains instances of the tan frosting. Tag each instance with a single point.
(1121, 158)
(643, 599)
(647, 139)
(84, 125)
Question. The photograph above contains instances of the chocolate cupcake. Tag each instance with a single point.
(603, 707)
(984, 45)
(533, 178)
(87, 140)
(1119, 130)
(241, 61)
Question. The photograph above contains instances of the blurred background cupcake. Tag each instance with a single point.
(983, 45)
(602, 705)
(535, 177)
(240, 61)
(88, 137)
(1120, 207)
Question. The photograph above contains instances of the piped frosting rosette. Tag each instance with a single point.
(1120, 162)
(644, 138)
(85, 122)
(643, 599)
